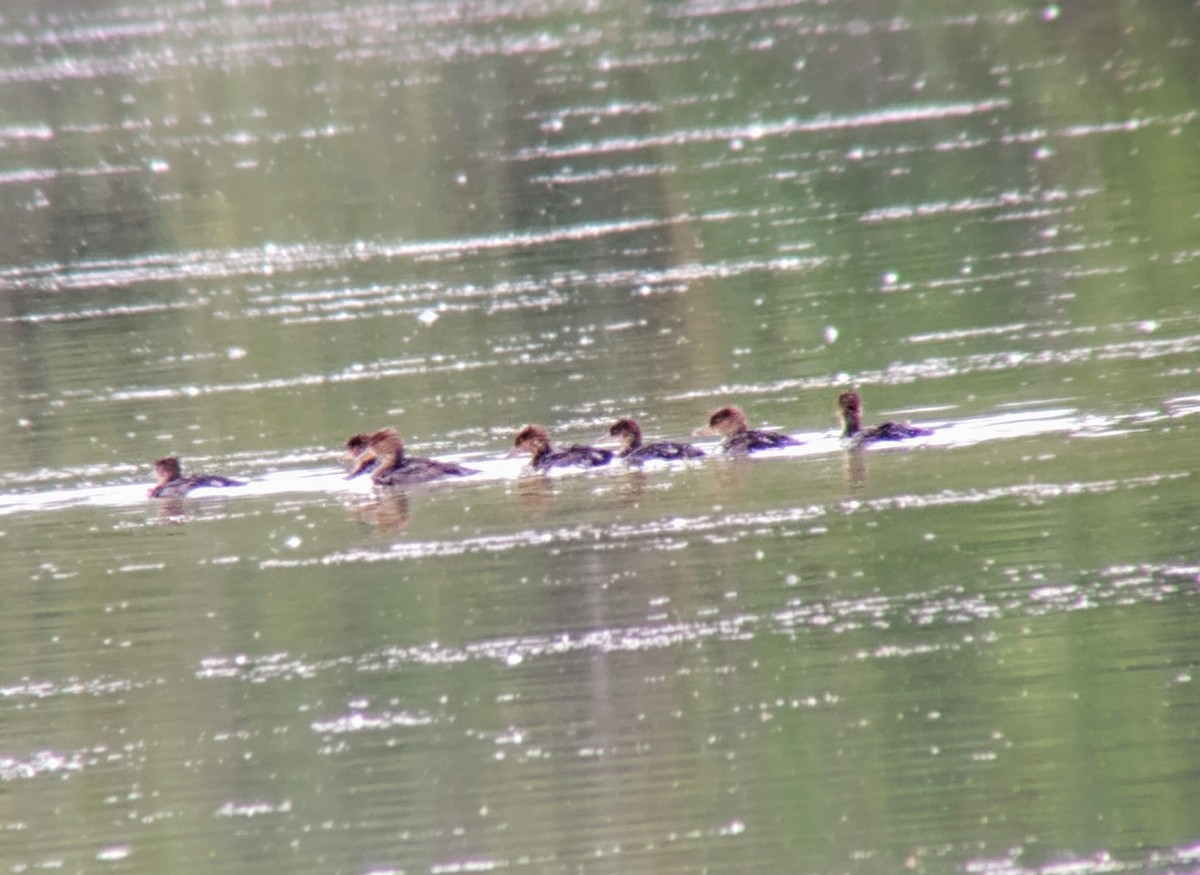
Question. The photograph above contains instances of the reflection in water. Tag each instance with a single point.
(172, 510)
(630, 486)
(733, 476)
(535, 491)
(386, 510)
(854, 468)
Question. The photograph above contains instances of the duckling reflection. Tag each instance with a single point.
(734, 478)
(534, 494)
(385, 453)
(850, 411)
(854, 468)
(386, 510)
(172, 483)
(534, 440)
(730, 423)
(629, 487)
(172, 511)
(634, 452)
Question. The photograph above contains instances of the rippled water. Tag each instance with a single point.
(239, 233)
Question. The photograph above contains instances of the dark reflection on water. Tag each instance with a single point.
(240, 234)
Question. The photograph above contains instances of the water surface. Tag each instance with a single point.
(240, 233)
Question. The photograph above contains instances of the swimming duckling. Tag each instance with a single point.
(850, 410)
(634, 452)
(172, 483)
(730, 423)
(533, 439)
(356, 445)
(384, 457)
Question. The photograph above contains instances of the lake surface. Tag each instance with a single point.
(240, 232)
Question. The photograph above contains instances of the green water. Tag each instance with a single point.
(239, 233)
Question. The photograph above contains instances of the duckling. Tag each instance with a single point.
(384, 457)
(534, 440)
(356, 445)
(730, 423)
(634, 452)
(172, 483)
(850, 410)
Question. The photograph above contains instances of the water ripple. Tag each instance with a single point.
(673, 532)
(273, 258)
(947, 606)
(762, 130)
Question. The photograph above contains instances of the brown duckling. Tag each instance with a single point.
(172, 483)
(850, 410)
(384, 457)
(634, 452)
(533, 439)
(730, 423)
(356, 445)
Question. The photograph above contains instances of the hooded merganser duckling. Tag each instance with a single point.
(356, 445)
(850, 409)
(634, 452)
(384, 457)
(730, 423)
(172, 483)
(533, 439)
